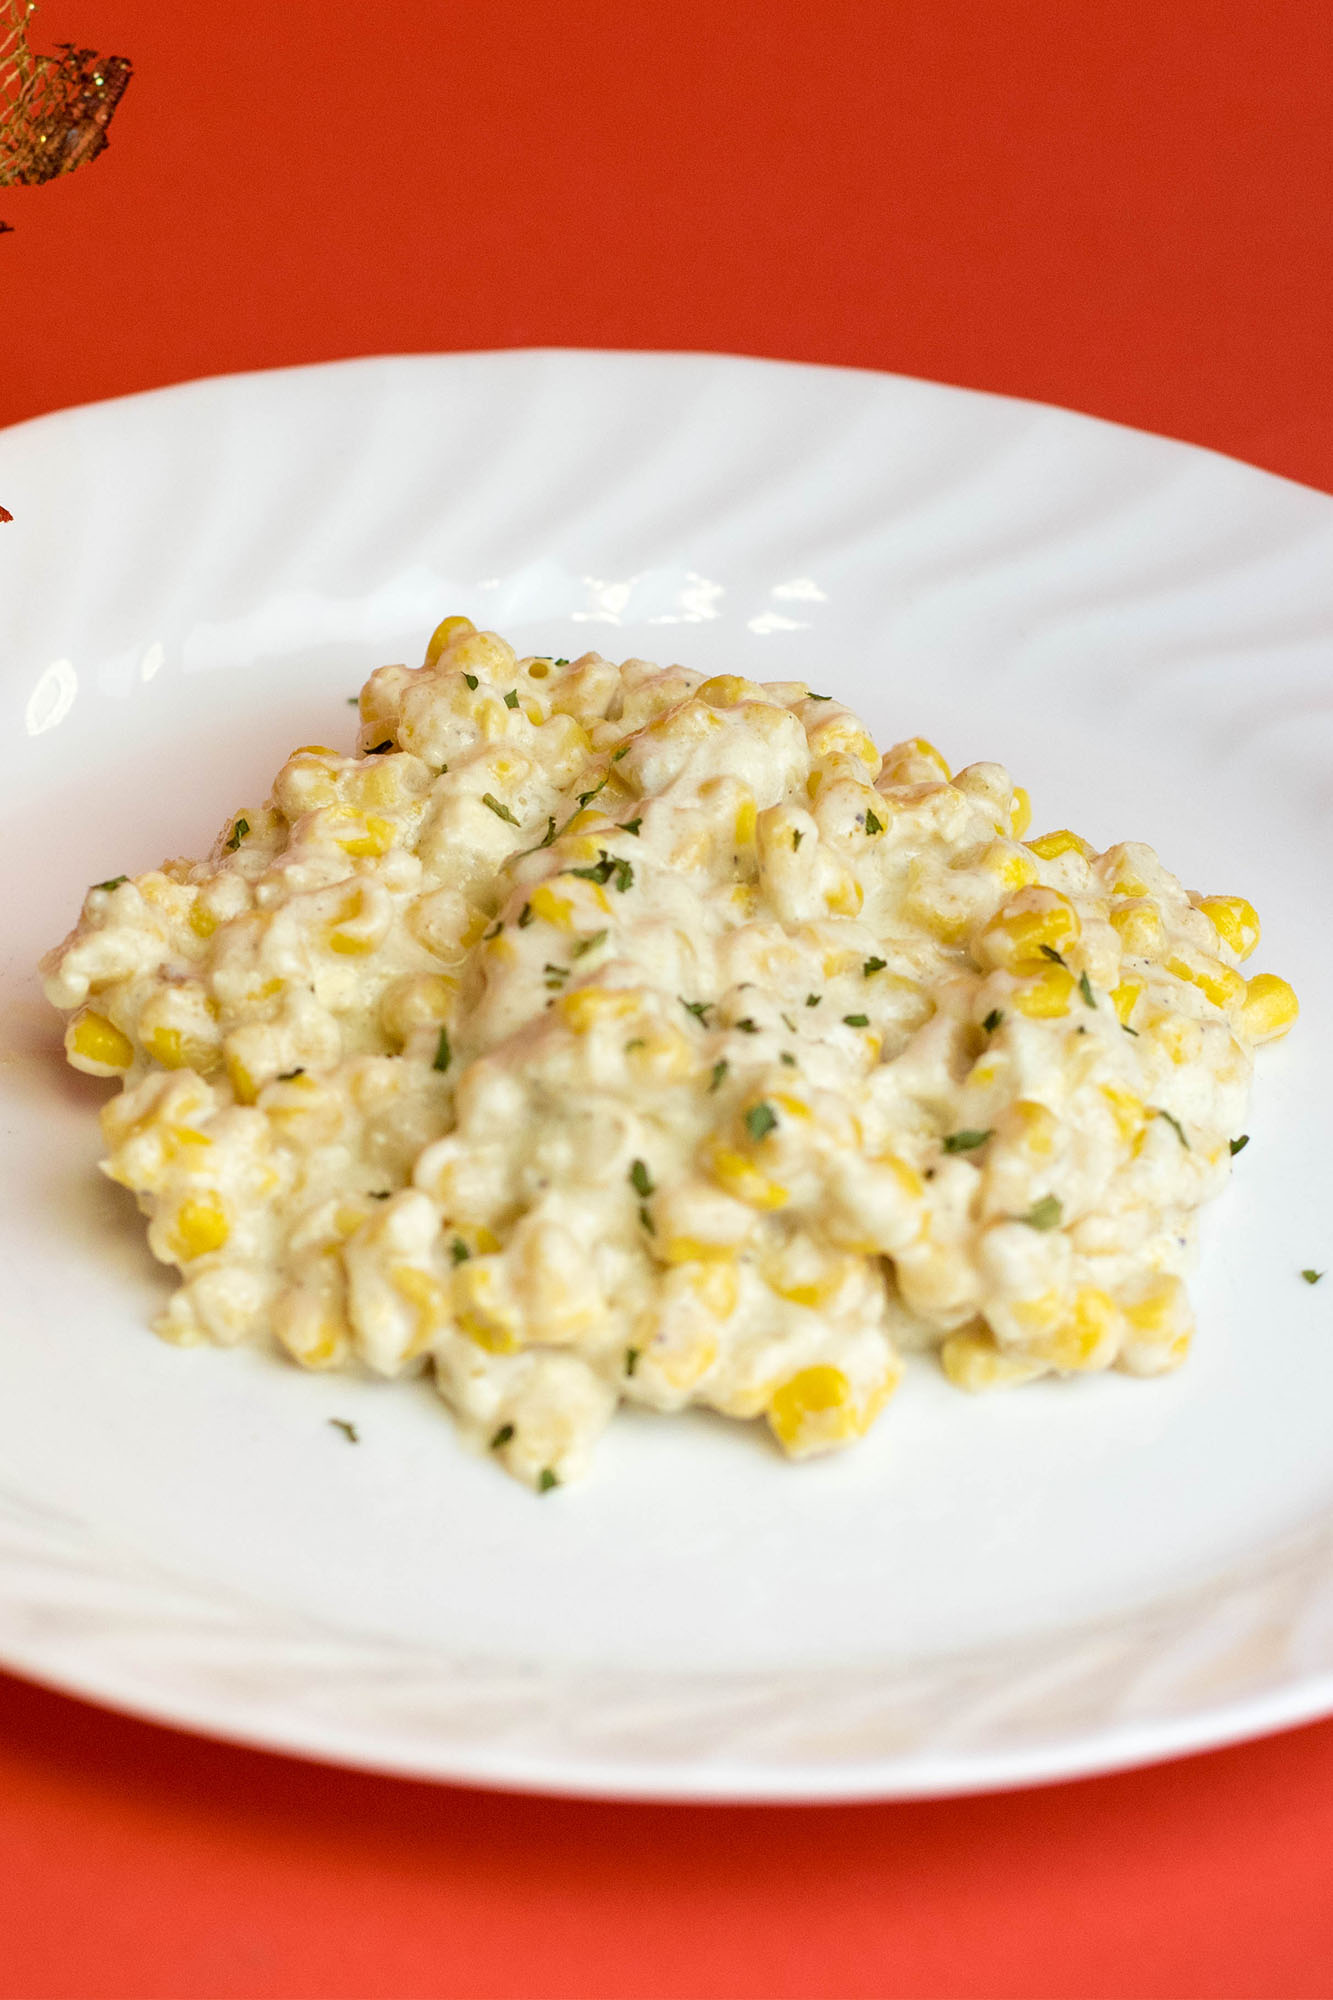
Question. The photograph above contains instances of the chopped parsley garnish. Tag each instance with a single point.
(966, 1142)
(525, 916)
(550, 836)
(641, 1180)
(546, 1479)
(471, 680)
(633, 825)
(700, 1009)
(1048, 1213)
(349, 1431)
(286, 1075)
(1130, 1031)
(719, 1071)
(747, 1026)
(797, 837)
(500, 811)
(237, 835)
(379, 1194)
(585, 798)
(354, 701)
(1049, 951)
(1175, 1125)
(588, 944)
(635, 1042)
(856, 1020)
(1239, 1145)
(788, 1058)
(873, 965)
(818, 697)
(502, 1437)
(603, 870)
(647, 1220)
(114, 883)
(874, 824)
(760, 1120)
(511, 699)
(623, 751)
(1312, 1277)
(1085, 988)
(493, 932)
(813, 999)
(788, 1023)
(631, 1359)
(444, 1055)
(556, 975)
(562, 663)
(378, 749)
(992, 1020)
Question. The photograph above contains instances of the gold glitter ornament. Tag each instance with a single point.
(54, 109)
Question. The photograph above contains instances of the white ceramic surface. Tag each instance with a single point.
(985, 1592)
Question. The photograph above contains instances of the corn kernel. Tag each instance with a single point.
(1128, 1111)
(1009, 864)
(814, 1411)
(1124, 998)
(1159, 1326)
(741, 1177)
(1028, 928)
(972, 1360)
(1034, 1126)
(1047, 994)
(1138, 924)
(1235, 921)
(1020, 812)
(442, 638)
(201, 1226)
(1270, 1008)
(746, 820)
(94, 1044)
(716, 1284)
(1048, 846)
(202, 921)
(1217, 982)
(845, 898)
(553, 908)
(588, 1005)
(729, 691)
(1087, 1335)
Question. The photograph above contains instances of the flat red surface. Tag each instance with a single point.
(1120, 206)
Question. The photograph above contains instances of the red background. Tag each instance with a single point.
(1119, 206)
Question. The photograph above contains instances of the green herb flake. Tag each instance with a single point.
(493, 932)
(1048, 1213)
(817, 697)
(647, 1220)
(1312, 1277)
(700, 1009)
(586, 798)
(719, 1071)
(378, 749)
(1130, 1031)
(379, 1194)
(633, 825)
(471, 680)
(1239, 1145)
(992, 1020)
(588, 944)
(788, 1023)
(511, 699)
(796, 838)
(604, 869)
(502, 1437)
(624, 874)
(444, 1055)
(813, 999)
(788, 1058)
(641, 1180)
(459, 1251)
(500, 811)
(856, 1020)
(286, 1075)
(562, 663)
(874, 824)
(747, 1026)
(873, 965)
(349, 1431)
(556, 975)
(546, 1480)
(966, 1142)
(354, 701)
(237, 835)
(1175, 1125)
(1049, 951)
(114, 882)
(631, 1359)
(760, 1120)
(635, 1042)
(623, 751)
(1085, 988)
(550, 836)
(525, 916)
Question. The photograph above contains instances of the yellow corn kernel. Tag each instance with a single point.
(716, 1284)
(741, 1177)
(94, 1044)
(476, 927)
(584, 1008)
(692, 1249)
(907, 1177)
(899, 760)
(1035, 1127)
(846, 896)
(1020, 812)
(442, 638)
(201, 1226)
(1128, 1111)
(1159, 1326)
(729, 691)
(314, 750)
(814, 1411)
(1125, 997)
(244, 1088)
(420, 1000)
(1270, 1008)
(972, 1360)
(364, 838)
(202, 921)
(794, 1107)
(747, 815)
(342, 938)
(485, 1313)
(1138, 924)
(176, 1050)
(664, 1057)
(1048, 846)
(1047, 994)
(1235, 921)
(553, 908)
(1217, 982)
(1087, 1335)
(1009, 864)
(1028, 928)
(425, 1293)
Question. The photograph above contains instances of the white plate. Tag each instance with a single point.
(983, 1593)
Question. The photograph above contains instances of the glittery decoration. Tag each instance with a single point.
(5, 514)
(54, 110)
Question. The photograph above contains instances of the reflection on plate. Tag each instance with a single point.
(985, 1592)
